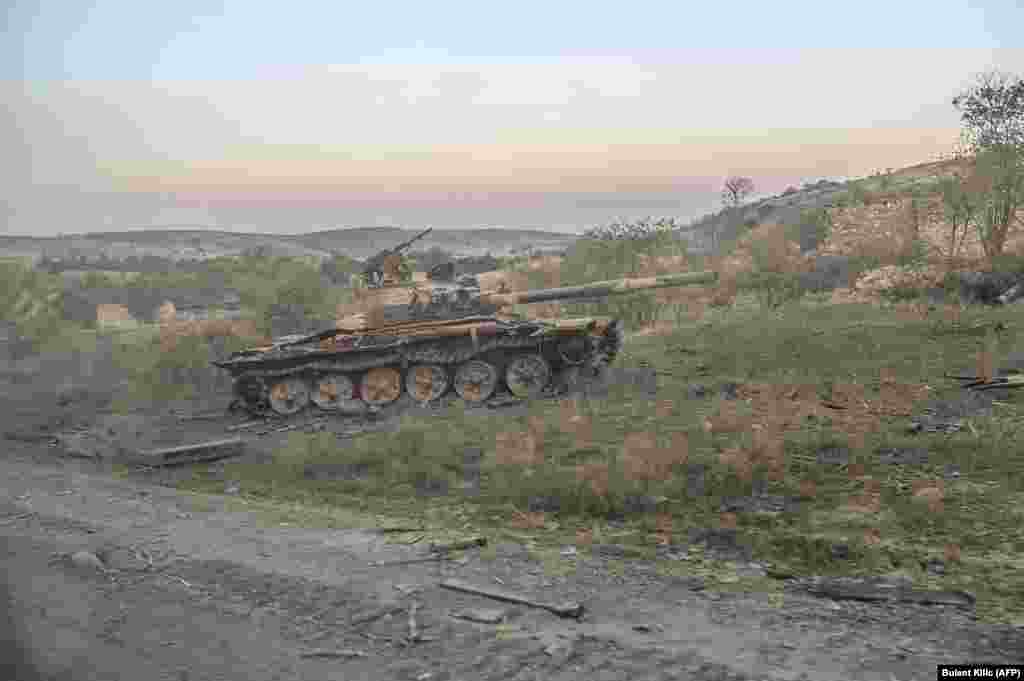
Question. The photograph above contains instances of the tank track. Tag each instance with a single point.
(401, 353)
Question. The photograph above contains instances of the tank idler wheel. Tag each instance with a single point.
(527, 375)
(426, 382)
(289, 396)
(335, 393)
(475, 380)
(381, 386)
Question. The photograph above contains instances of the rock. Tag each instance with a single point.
(729, 391)
(431, 487)
(934, 566)
(232, 487)
(760, 504)
(840, 552)
(614, 551)
(834, 455)
(336, 471)
(985, 287)
(481, 615)
(696, 474)
(902, 456)
(544, 504)
(696, 391)
(639, 503)
(86, 560)
(951, 471)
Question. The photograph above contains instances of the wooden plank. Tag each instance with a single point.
(190, 453)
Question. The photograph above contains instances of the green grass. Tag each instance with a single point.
(770, 334)
(801, 342)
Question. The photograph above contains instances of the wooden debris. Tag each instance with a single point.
(375, 615)
(345, 654)
(207, 416)
(459, 545)
(414, 629)
(14, 518)
(481, 615)
(412, 561)
(397, 530)
(871, 592)
(571, 609)
(243, 426)
(210, 450)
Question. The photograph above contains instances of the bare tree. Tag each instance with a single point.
(736, 189)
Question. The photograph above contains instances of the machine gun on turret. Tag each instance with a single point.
(377, 268)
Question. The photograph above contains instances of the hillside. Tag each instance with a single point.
(357, 243)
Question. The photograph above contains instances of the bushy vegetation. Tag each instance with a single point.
(566, 468)
(644, 229)
(33, 300)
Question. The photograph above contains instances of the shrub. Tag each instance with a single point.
(814, 227)
(639, 230)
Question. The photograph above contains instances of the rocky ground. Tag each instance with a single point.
(113, 579)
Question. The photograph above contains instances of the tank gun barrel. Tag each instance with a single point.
(600, 289)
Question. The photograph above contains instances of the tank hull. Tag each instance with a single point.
(477, 360)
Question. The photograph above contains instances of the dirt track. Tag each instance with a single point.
(211, 594)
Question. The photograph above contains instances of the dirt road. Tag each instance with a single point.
(212, 594)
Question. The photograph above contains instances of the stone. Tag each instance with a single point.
(336, 471)
(87, 561)
(902, 456)
(544, 504)
(696, 391)
(834, 455)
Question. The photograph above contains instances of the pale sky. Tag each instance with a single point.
(291, 117)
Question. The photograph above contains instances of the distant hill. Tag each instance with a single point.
(358, 243)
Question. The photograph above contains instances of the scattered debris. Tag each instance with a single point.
(412, 561)
(570, 609)
(85, 560)
(207, 416)
(648, 628)
(866, 591)
(760, 504)
(397, 530)
(414, 635)
(15, 518)
(375, 615)
(345, 654)
(902, 456)
(336, 471)
(459, 545)
(481, 615)
(243, 426)
(561, 649)
(191, 453)
(19, 436)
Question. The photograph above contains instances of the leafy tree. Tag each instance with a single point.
(992, 111)
(992, 116)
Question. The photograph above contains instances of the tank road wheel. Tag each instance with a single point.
(334, 393)
(527, 375)
(381, 386)
(250, 390)
(426, 382)
(475, 380)
(289, 396)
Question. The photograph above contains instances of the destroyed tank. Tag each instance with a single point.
(430, 338)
